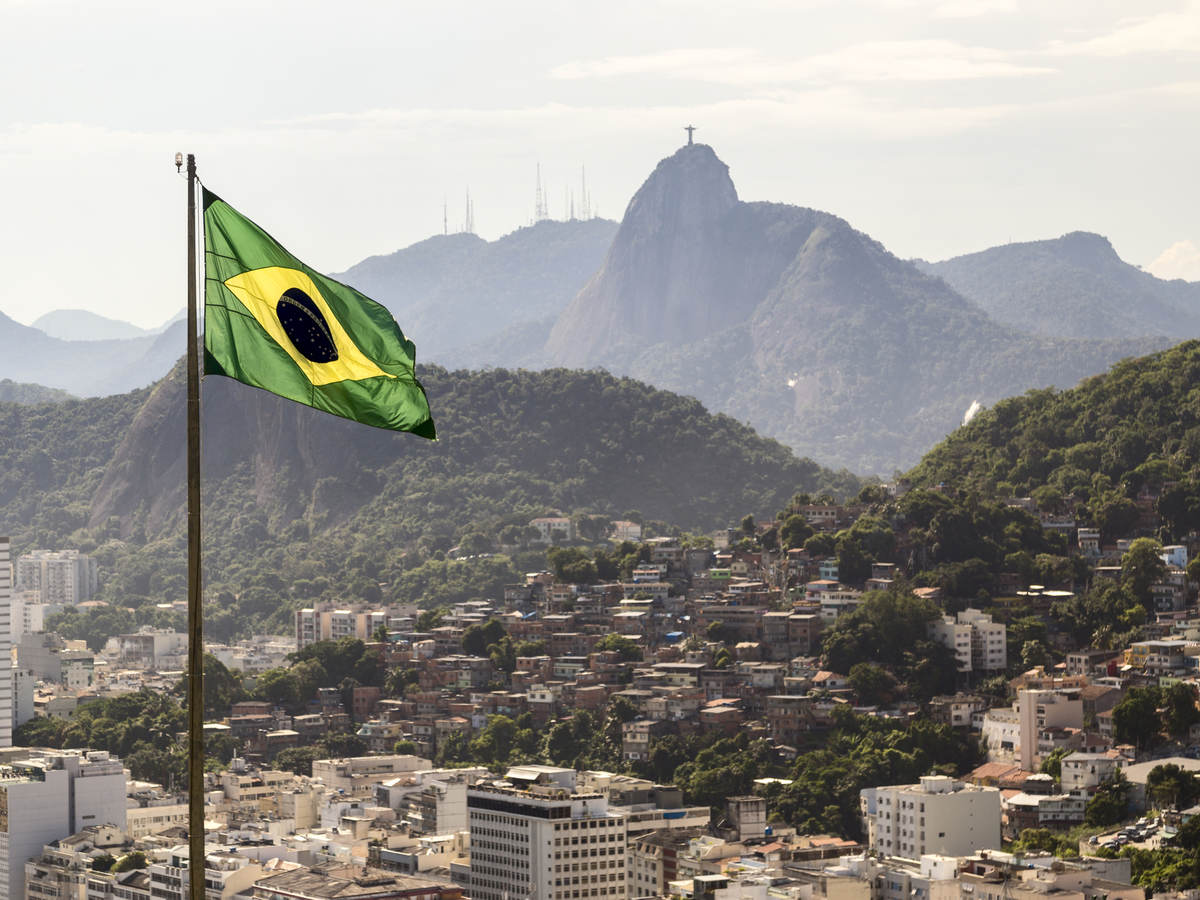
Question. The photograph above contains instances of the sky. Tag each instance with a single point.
(938, 127)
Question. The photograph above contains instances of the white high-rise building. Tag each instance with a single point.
(59, 576)
(50, 796)
(939, 815)
(6, 674)
(533, 835)
(979, 644)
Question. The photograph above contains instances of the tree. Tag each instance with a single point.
(431, 618)
(1110, 804)
(748, 525)
(821, 545)
(1135, 718)
(1142, 566)
(405, 748)
(1179, 712)
(571, 565)
(872, 683)
(134, 859)
(795, 531)
(629, 649)
(503, 655)
(380, 634)
(1052, 764)
(1171, 787)
(720, 632)
(854, 565)
(477, 638)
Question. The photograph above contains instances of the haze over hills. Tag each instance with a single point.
(85, 368)
(460, 296)
(1072, 286)
(793, 321)
(782, 316)
(82, 325)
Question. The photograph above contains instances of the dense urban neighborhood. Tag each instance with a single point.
(837, 703)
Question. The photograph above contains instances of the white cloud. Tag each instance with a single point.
(1180, 260)
(970, 9)
(1164, 32)
(873, 61)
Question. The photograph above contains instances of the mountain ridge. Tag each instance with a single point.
(1075, 285)
(844, 351)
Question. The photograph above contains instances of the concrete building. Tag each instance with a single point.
(52, 795)
(6, 661)
(150, 648)
(29, 613)
(227, 873)
(363, 772)
(57, 576)
(359, 882)
(534, 835)
(24, 692)
(939, 815)
(979, 644)
(1040, 709)
(60, 871)
(1083, 772)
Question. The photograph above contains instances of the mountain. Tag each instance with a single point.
(294, 498)
(1133, 425)
(507, 439)
(458, 295)
(1072, 286)
(793, 321)
(83, 368)
(29, 394)
(81, 325)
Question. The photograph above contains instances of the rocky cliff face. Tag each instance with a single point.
(670, 274)
(792, 320)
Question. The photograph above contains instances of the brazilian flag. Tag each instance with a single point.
(272, 322)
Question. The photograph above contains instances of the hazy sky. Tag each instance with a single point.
(937, 126)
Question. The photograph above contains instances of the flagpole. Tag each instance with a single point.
(195, 693)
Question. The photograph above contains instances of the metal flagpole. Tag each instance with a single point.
(195, 694)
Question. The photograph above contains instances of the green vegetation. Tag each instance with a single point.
(355, 514)
(29, 394)
(890, 630)
(1136, 426)
(1110, 804)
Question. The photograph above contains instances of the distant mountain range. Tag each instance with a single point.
(81, 325)
(1072, 286)
(793, 321)
(469, 303)
(784, 317)
(87, 368)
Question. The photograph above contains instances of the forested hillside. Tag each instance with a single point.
(300, 505)
(1136, 426)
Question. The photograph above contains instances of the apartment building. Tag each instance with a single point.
(6, 662)
(534, 835)
(979, 644)
(49, 796)
(57, 576)
(939, 815)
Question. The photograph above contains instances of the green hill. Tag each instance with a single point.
(1136, 426)
(300, 505)
(17, 392)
